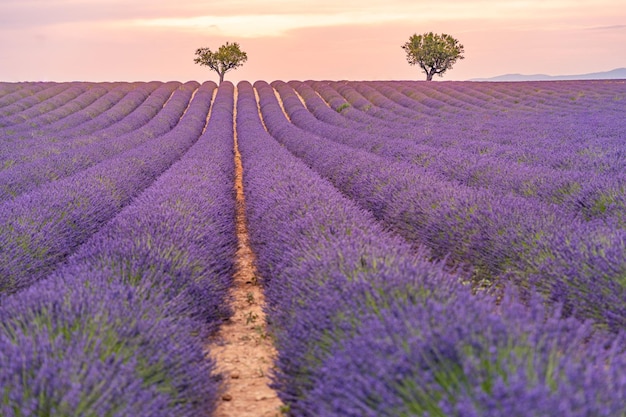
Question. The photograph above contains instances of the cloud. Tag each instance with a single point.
(271, 18)
(267, 25)
(193, 13)
(611, 27)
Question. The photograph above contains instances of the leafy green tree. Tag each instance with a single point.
(434, 53)
(229, 56)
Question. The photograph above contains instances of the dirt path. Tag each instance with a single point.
(242, 350)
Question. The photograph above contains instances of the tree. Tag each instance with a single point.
(434, 53)
(228, 56)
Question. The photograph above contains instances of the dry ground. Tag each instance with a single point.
(242, 350)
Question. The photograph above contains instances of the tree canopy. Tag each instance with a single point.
(229, 56)
(434, 53)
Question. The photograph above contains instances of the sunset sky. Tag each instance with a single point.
(142, 40)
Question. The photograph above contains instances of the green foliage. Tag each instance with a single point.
(434, 53)
(492, 366)
(229, 56)
(343, 107)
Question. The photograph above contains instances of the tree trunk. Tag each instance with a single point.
(221, 77)
(429, 75)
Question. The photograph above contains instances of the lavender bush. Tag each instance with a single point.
(41, 228)
(379, 211)
(133, 112)
(61, 110)
(568, 132)
(456, 357)
(120, 328)
(75, 157)
(494, 234)
(365, 326)
(83, 348)
(41, 93)
(44, 107)
(578, 191)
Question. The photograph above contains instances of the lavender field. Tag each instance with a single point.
(425, 249)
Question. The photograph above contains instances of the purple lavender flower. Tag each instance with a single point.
(41, 228)
(352, 306)
(120, 328)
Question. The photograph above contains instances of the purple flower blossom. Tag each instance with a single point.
(366, 326)
(120, 328)
(378, 211)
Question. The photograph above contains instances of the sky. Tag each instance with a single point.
(144, 40)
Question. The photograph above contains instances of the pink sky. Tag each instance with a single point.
(141, 40)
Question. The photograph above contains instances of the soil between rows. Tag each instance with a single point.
(242, 350)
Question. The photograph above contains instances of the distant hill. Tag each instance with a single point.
(618, 73)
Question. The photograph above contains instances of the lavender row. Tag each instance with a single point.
(598, 298)
(93, 92)
(336, 110)
(50, 90)
(13, 92)
(105, 111)
(528, 97)
(600, 193)
(426, 125)
(555, 113)
(75, 90)
(41, 228)
(364, 326)
(368, 110)
(7, 88)
(536, 139)
(584, 272)
(588, 125)
(588, 194)
(499, 133)
(586, 137)
(30, 175)
(142, 108)
(534, 95)
(501, 238)
(113, 107)
(120, 328)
